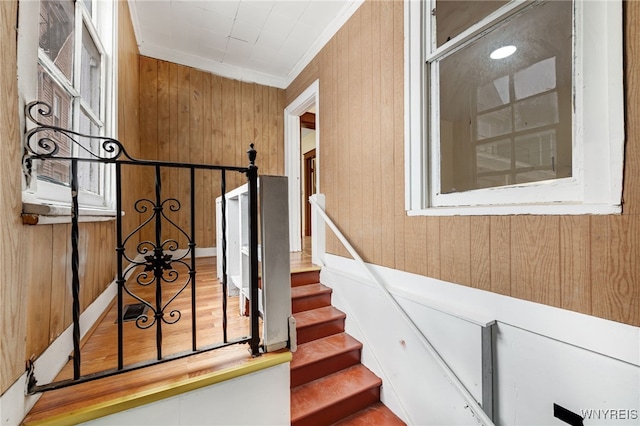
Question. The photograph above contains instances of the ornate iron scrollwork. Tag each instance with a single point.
(156, 263)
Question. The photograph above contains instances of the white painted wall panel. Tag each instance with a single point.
(260, 398)
(542, 355)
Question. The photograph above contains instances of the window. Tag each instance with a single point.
(514, 107)
(65, 59)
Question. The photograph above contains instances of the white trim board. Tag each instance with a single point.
(608, 338)
(292, 113)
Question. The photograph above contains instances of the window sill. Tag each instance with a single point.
(531, 209)
(47, 214)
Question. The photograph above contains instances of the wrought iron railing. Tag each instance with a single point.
(156, 259)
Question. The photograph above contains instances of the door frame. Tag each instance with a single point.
(292, 156)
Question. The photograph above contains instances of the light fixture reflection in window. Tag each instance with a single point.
(503, 52)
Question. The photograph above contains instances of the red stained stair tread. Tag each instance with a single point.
(319, 315)
(310, 296)
(324, 356)
(376, 414)
(333, 397)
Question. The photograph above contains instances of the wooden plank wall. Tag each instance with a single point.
(34, 260)
(189, 115)
(587, 264)
(13, 292)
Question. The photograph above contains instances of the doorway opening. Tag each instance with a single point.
(302, 141)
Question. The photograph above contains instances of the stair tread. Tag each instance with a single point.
(322, 393)
(315, 350)
(309, 290)
(317, 316)
(376, 414)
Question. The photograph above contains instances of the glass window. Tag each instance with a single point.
(518, 101)
(71, 78)
(513, 107)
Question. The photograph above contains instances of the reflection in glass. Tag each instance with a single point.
(57, 19)
(60, 101)
(89, 173)
(91, 71)
(508, 121)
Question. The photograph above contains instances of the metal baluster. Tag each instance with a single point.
(252, 175)
(158, 268)
(120, 251)
(192, 270)
(75, 264)
(223, 186)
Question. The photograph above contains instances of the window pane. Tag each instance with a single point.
(522, 100)
(455, 16)
(91, 70)
(60, 102)
(89, 172)
(57, 19)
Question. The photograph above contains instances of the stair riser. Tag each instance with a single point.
(317, 331)
(304, 278)
(311, 302)
(340, 409)
(324, 367)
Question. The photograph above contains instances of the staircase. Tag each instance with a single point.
(328, 383)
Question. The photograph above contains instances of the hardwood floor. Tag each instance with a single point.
(99, 348)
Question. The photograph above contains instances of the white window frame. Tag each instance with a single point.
(595, 186)
(101, 25)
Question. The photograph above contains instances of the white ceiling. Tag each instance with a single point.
(263, 41)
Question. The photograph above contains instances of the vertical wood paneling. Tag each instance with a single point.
(207, 234)
(386, 134)
(148, 137)
(275, 145)
(501, 255)
(631, 189)
(433, 246)
(398, 132)
(128, 111)
(342, 125)
(39, 279)
(415, 236)
(184, 143)
(575, 254)
(328, 118)
(376, 141)
(196, 152)
(353, 131)
(206, 119)
(615, 268)
(480, 228)
(366, 128)
(13, 292)
(455, 248)
(535, 259)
